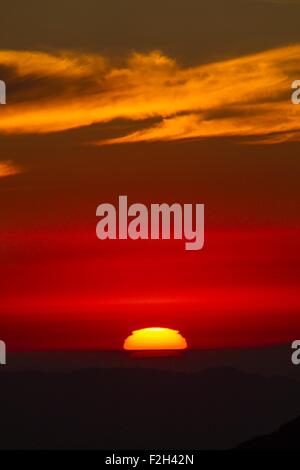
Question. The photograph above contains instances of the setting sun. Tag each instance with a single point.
(155, 339)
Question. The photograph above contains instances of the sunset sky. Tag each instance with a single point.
(164, 102)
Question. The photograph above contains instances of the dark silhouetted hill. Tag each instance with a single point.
(141, 408)
(287, 437)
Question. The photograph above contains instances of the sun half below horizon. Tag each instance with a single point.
(154, 338)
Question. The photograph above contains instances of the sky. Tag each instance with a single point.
(164, 102)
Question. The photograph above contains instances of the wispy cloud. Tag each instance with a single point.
(283, 2)
(246, 96)
(8, 169)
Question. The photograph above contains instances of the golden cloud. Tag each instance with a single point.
(63, 64)
(8, 169)
(247, 96)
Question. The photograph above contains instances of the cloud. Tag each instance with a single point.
(283, 2)
(62, 64)
(248, 96)
(8, 169)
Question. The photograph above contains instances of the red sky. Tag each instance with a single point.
(62, 288)
(67, 289)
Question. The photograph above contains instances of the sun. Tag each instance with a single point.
(155, 338)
